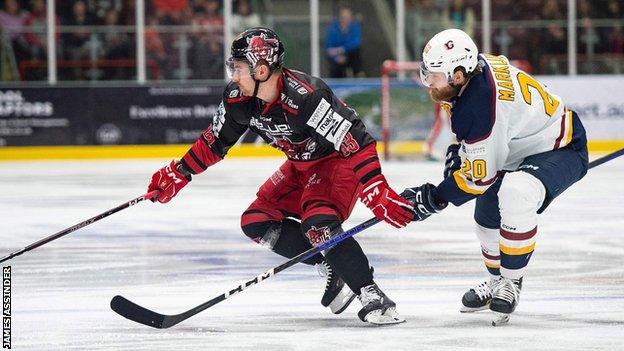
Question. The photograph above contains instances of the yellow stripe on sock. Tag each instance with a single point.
(517, 250)
(491, 265)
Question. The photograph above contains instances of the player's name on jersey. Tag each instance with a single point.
(500, 70)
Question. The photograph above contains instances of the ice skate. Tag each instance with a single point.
(505, 299)
(337, 294)
(479, 297)
(377, 308)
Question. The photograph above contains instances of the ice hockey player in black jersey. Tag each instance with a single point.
(331, 161)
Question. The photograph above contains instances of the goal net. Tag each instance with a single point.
(411, 124)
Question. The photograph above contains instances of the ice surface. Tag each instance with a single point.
(175, 256)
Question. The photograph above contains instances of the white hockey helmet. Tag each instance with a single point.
(447, 50)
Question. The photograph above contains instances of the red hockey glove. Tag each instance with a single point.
(169, 180)
(385, 203)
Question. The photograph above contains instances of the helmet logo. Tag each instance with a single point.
(449, 45)
(261, 48)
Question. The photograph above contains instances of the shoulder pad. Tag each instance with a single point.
(474, 114)
(233, 95)
(296, 81)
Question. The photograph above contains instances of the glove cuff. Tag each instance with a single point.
(184, 169)
(437, 203)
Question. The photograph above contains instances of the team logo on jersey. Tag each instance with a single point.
(270, 128)
(277, 177)
(506, 227)
(313, 180)
(318, 236)
(301, 150)
(535, 168)
(449, 45)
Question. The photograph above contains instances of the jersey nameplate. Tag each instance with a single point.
(500, 70)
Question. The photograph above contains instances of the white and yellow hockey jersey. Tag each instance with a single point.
(502, 116)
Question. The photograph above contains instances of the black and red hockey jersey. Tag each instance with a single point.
(307, 122)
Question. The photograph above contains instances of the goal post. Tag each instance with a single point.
(411, 124)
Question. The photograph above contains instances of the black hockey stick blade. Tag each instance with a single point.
(139, 314)
(132, 311)
(142, 315)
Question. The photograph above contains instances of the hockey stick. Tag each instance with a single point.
(139, 314)
(603, 159)
(64, 232)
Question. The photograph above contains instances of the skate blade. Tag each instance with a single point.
(500, 319)
(390, 316)
(465, 309)
(342, 301)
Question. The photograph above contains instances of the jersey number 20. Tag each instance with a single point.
(526, 81)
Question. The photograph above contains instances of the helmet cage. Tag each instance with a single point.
(231, 69)
(428, 77)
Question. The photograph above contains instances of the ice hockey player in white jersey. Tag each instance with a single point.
(518, 148)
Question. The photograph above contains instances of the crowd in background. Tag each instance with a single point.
(532, 31)
(97, 40)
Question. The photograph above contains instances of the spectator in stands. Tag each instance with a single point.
(100, 8)
(459, 15)
(425, 17)
(554, 40)
(207, 52)
(172, 12)
(208, 21)
(614, 9)
(529, 10)
(12, 27)
(127, 16)
(75, 43)
(116, 45)
(614, 35)
(588, 35)
(342, 44)
(36, 37)
(554, 37)
(244, 17)
(36, 34)
(616, 41)
(154, 45)
(504, 10)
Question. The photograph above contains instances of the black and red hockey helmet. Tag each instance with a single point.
(258, 45)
